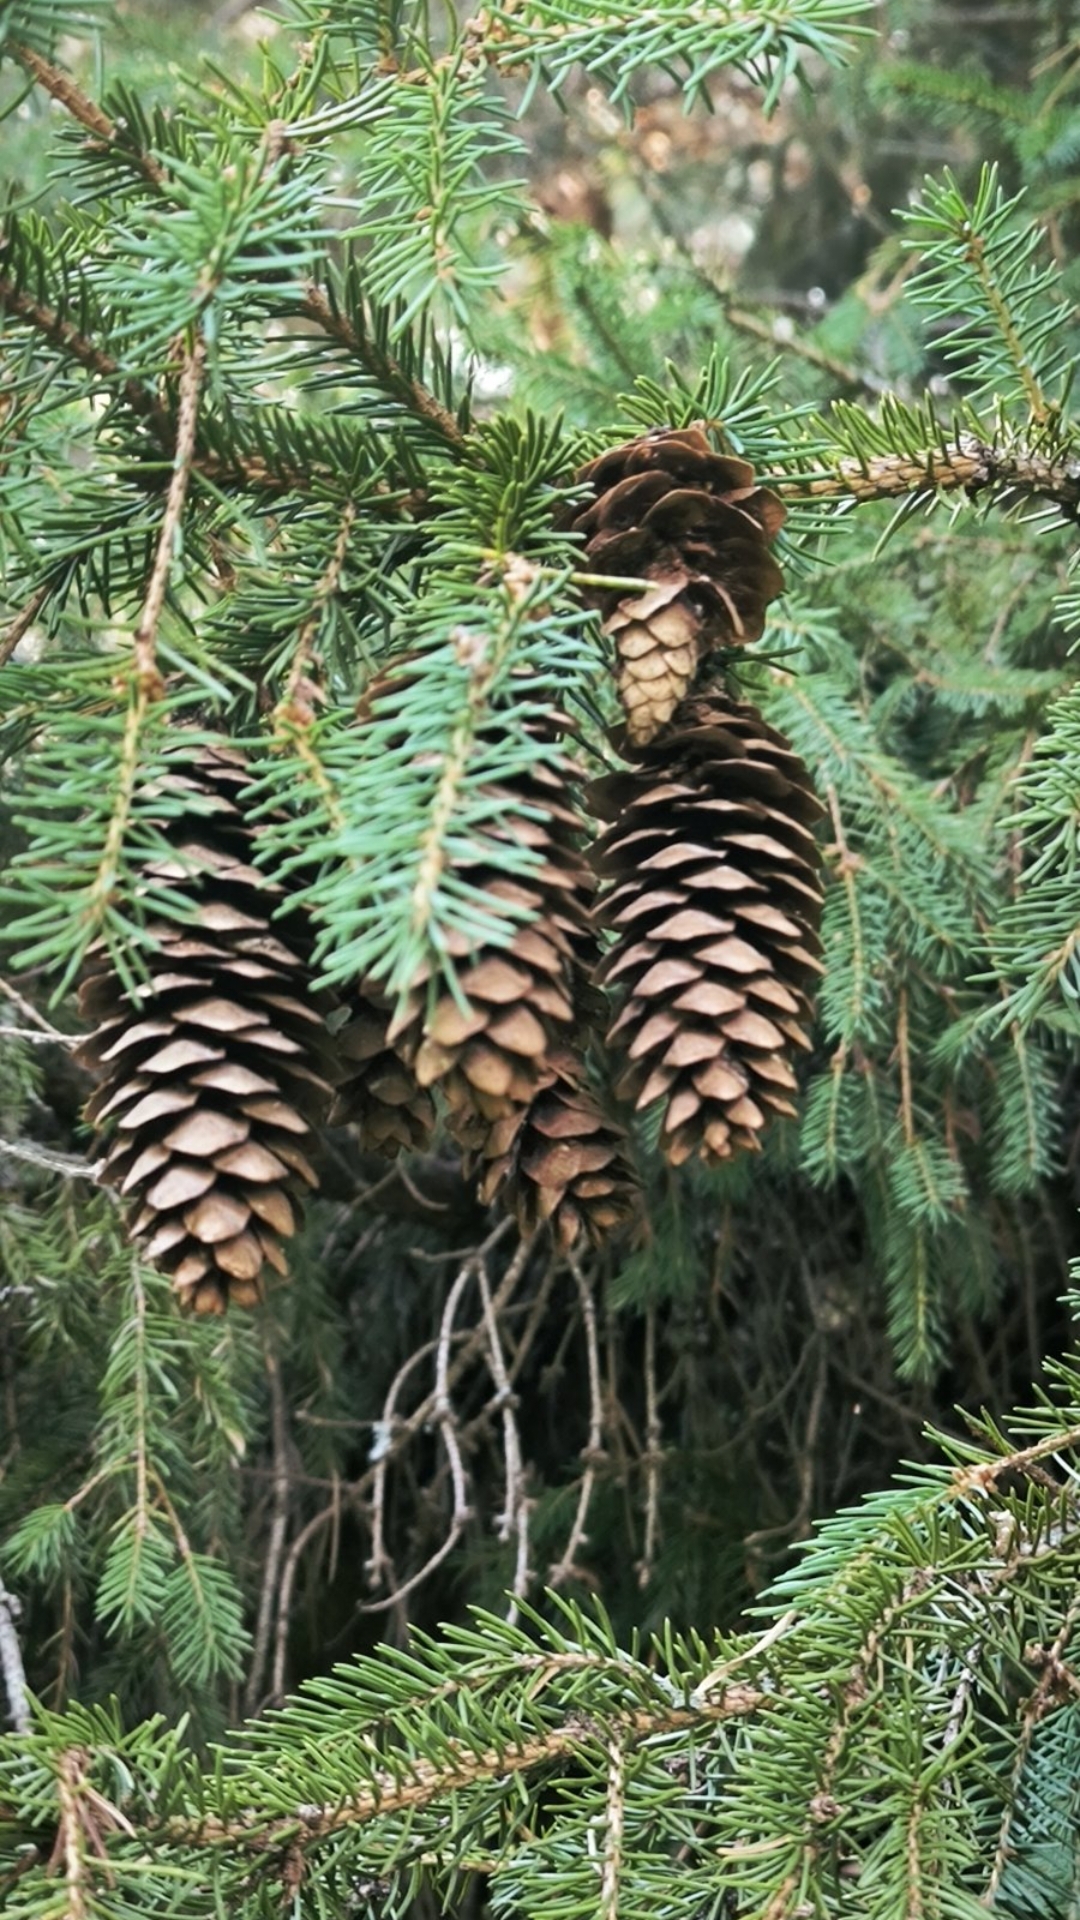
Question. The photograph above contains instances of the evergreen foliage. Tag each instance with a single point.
(298, 388)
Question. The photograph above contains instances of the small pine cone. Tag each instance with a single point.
(715, 899)
(562, 1160)
(213, 1070)
(694, 524)
(488, 1052)
(376, 1092)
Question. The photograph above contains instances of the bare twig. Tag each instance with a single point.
(514, 1518)
(71, 1165)
(36, 1019)
(443, 1416)
(284, 1603)
(279, 1524)
(594, 1455)
(654, 1458)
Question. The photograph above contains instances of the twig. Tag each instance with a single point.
(443, 1416)
(514, 1518)
(30, 1012)
(288, 1577)
(460, 1765)
(295, 707)
(613, 1832)
(1046, 1695)
(22, 622)
(71, 1165)
(86, 111)
(187, 421)
(594, 1454)
(653, 1454)
(382, 366)
(965, 464)
(278, 1528)
(11, 1663)
(68, 1780)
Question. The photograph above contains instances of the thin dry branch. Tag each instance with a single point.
(279, 1525)
(594, 1455)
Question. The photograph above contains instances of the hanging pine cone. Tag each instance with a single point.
(695, 526)
(562, 1160)
(715, 899)
(490, 1055)
(376, 1092)
(213, 1070)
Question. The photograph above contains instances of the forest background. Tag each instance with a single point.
(433, 1416)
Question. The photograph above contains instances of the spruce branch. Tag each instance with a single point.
(382, 365)
(966, 464)
(145, 645)
(87, 112)
(417, 1783)
(1054, 1683)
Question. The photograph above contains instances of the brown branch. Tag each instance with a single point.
(65, 335)
(382, 366)
(417, 1782)
(104, 132)
(966, 464)
(22, 623)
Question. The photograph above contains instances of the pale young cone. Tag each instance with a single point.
(697, 527)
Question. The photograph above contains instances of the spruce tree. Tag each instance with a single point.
(538, 1020)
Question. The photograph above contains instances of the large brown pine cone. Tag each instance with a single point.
(562, 1160)
(214, 1069)
(376, 1092)
(714, 897)
(488, 1049)
(694, 524)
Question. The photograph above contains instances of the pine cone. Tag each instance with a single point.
(213, 1070)
(715, 901)
(562, 1160)
(376, 1092)
(694, 524)
(490, 1056)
